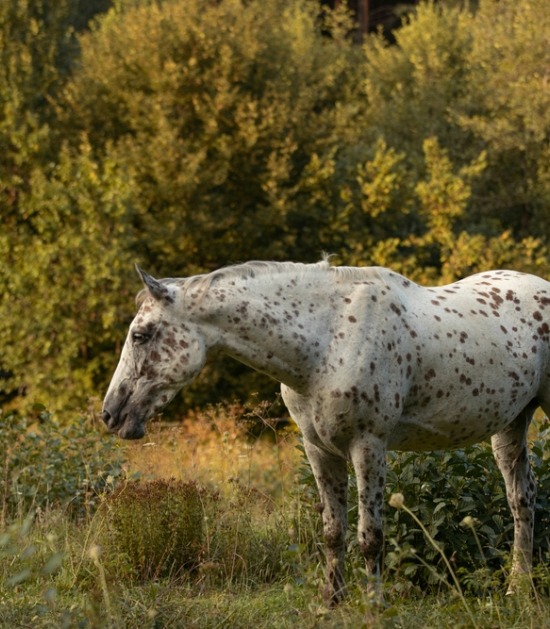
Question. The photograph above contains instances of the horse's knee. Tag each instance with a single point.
(334, 535)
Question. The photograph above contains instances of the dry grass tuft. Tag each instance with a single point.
(218, 448)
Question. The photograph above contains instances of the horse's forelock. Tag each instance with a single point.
(140, 297)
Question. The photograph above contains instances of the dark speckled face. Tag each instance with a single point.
(161, 355)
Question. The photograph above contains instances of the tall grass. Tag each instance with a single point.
(206, 524)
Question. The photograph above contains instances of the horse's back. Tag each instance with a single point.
(482, 356)
(487, 302)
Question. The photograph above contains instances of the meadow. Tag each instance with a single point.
(212, 522)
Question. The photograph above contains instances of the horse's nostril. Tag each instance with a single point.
(106, 416)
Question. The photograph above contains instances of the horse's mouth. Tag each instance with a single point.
(128, 427)
(125, 426)
(130, 431)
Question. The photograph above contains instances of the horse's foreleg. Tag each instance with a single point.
(512, 457)
(369, 461)
(331, 476)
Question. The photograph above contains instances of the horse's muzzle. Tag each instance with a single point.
(114, 413)
(125, 428)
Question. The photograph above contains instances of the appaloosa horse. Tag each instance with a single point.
(368, 361)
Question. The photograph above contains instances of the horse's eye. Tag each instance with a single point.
(138, 338)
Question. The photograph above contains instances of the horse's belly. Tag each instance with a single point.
(446, 430)
(460, 396)
(416, 438)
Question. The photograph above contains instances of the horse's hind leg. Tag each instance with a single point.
(512, 457)
(368, 456)
(331, 477)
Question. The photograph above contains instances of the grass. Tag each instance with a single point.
(260, 564)
(162, 604)
(213, 448)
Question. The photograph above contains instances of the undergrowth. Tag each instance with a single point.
(460, 498)
(45, 464)
(154, 529)
(193, 528)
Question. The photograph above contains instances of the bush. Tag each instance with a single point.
(442, 489)
(173, 529)
(46, 465)
(156, 527)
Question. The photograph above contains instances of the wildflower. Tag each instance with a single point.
(468, 521)
(397, 501)
(94, 552)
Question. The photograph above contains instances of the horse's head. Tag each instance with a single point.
(161, 354)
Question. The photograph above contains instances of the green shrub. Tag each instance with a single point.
(46, 465)
(442, 489)
(154, 528)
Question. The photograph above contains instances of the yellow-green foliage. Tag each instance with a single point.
(217, 108)
(47, 465)
(188, 135)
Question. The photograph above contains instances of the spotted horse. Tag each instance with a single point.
(368, 361)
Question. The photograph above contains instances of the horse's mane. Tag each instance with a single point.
(251, 269)
(257, 268)
(200, 284)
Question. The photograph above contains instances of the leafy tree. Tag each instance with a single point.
(508, 111)
(58, 327)
(189, 135)
(48, 222)
(31, 36)
(37, 49)
(228, 114)
(457, 195)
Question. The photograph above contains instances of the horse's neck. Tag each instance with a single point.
(270, 326)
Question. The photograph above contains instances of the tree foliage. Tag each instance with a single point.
(189, 135)
(226, 113)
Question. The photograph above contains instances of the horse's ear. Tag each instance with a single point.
(156, 289)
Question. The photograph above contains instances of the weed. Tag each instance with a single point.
(156, 526)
